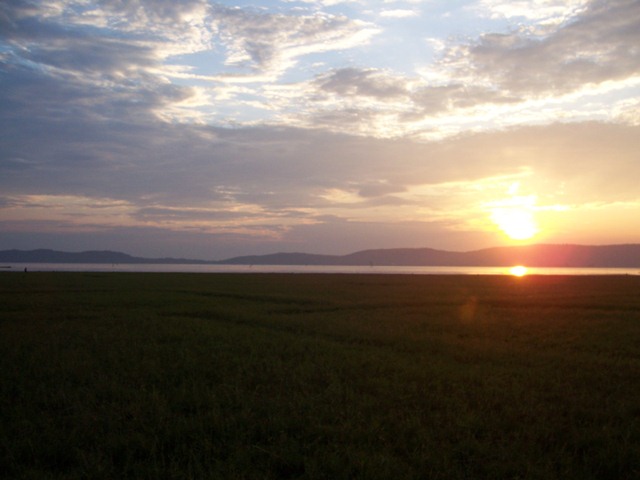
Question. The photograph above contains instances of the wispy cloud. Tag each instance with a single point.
(271, 43)
(399, 13)
(545, 11)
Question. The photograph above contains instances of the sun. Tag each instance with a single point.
(514, 215)
(517, 223)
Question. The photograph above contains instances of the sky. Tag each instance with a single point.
(210, 129)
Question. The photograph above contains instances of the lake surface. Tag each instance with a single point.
(185, 268)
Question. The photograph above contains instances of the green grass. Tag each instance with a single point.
(193, 376)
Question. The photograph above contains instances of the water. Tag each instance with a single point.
(186, 268)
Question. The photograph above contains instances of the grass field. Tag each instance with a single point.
(194, 376)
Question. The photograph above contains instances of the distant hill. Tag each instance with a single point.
(606, 256)
(96, 256)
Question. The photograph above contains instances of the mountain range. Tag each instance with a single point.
(540, 255)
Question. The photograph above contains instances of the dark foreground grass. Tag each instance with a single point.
(263, 376)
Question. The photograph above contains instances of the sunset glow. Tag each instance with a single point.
(209, 129)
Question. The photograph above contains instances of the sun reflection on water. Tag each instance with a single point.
(518, 271)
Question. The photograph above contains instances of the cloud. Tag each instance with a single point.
(362, 83)
(382, 104)
(119, 60)
(378, 189)
(433, 100)
(84, 72)
(571, 69)
(265, 42)
(143, 15)
(178, 170)
(161, 25)
(593, 48)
